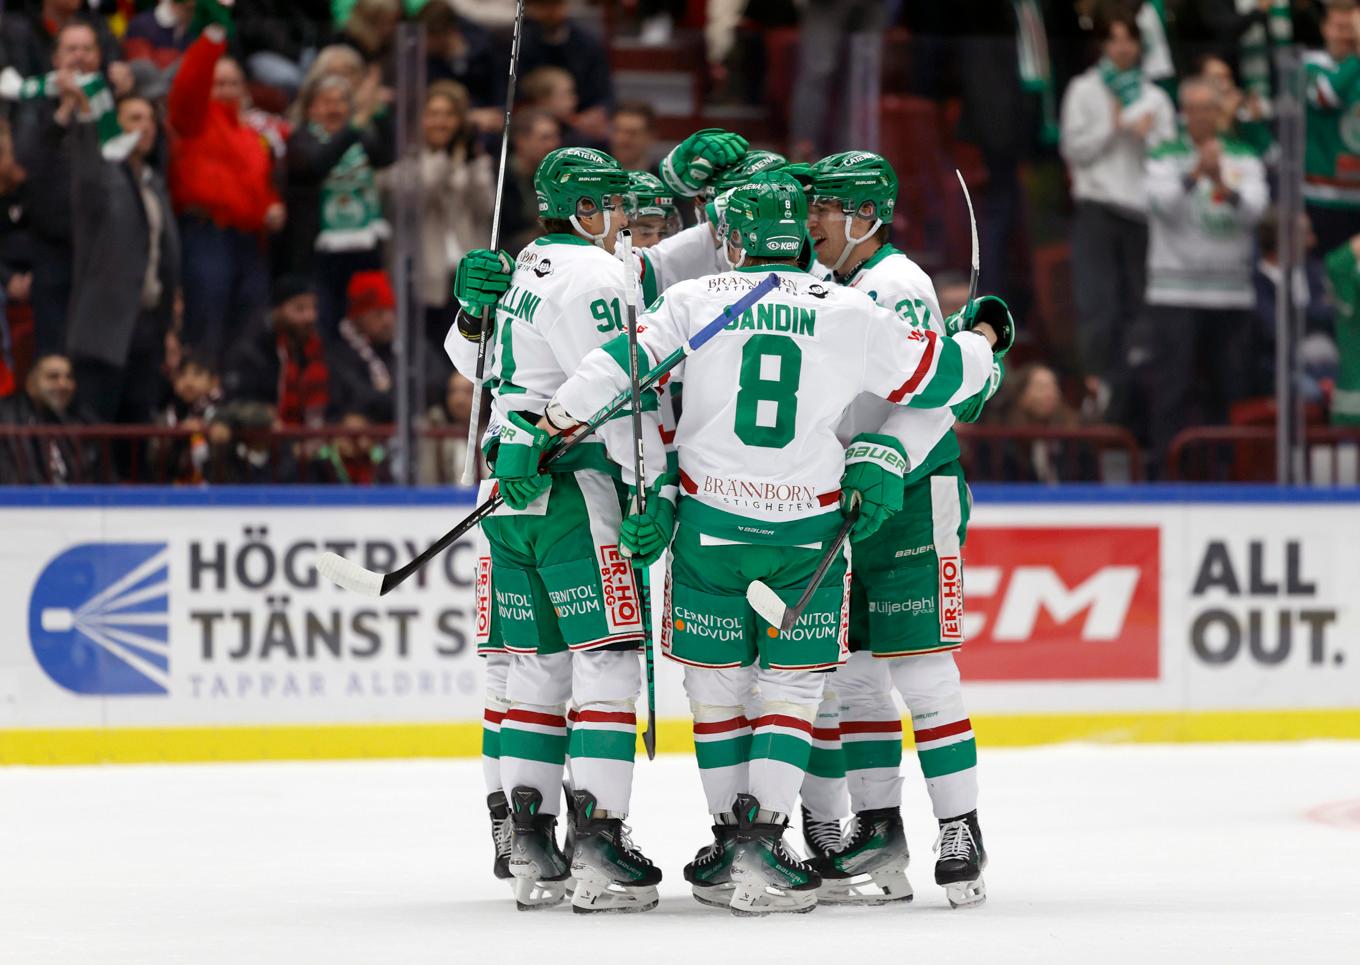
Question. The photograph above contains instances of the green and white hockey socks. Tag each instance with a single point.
(781, 736)
(871, 732)
(945, 747)
(824, 792)
(722, 731)
(493, 715)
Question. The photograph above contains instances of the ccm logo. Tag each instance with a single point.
(1062, 603)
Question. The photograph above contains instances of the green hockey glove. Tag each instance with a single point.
(517, 457)
(992, 310)
(483, 276)
(644, 536)
(875, 466)
(692, 162)
(970, 410)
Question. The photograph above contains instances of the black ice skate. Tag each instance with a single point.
(821, 837)
(768, 878)
(499, 808)
(611, 874)
(710, 873)
(538, 865)
(870, 867)
(961, 860)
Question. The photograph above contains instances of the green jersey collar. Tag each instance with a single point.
(561, 238)
(883, 252)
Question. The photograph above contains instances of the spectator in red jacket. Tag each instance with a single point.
(222, 185)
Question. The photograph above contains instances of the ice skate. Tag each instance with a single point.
(821, 837)
(538, 865)
(870, 867)
(710, 873)
(767, 877)
(611, 874)
(499, 809)
(961, 860)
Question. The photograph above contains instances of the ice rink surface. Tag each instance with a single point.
(1104, 854)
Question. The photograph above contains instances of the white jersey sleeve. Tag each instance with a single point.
(686, 255)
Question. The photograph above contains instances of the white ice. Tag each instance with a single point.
(1102, 854)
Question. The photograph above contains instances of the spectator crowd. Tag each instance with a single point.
(198, 196)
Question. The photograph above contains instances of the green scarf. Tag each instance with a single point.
(351, 211)
(114, 143)
(1258, 44)
(1126, 85)
(1036, 71)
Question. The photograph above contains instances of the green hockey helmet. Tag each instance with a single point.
(751, 164)
(574, 181)
(863, 182)
(767, 217)
(863, 185)
(649, 196)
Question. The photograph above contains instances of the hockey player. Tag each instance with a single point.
(761, 473)
(652, 214)
(906, 606)
(564, 598)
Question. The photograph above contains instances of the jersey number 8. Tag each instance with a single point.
(767, 400)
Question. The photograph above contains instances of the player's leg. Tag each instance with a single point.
(947, 754)
(768, 877)
(718, 700)
(825, 800)
(598, 613)
(495, 704)
(870, 865)
(533, 749)
(611, 874)
(706, 629)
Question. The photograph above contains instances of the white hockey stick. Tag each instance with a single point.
(977, 251)
(475, 417)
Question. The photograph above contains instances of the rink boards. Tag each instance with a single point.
(174, 624)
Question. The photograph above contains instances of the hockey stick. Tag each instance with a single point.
(640, 486)
(977, 252)
(774, 610)
(475, 417)
(352, 576)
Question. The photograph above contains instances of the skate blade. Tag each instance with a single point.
(715, 896)
(754, 898)
(870, 888)
(597, 895)
(533, 895)
(966, 894)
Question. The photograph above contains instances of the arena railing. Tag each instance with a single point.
(151, 455)
(1040, 454)
(160, 455)
(1329, 455)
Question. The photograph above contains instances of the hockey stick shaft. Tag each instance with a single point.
(792, 614)
(475, 416)
(977, 250)
(640, 486)
(390, 581)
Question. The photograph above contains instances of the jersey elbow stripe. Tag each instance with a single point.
(927, 359)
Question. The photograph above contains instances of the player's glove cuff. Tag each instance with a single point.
(992, 310)
(970, 410)
(875, 466)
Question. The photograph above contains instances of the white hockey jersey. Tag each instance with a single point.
(566, 298)
(897, 283)
(758, 455)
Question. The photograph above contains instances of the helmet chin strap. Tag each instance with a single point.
(597, 240)
(851, 242)
(741, 257)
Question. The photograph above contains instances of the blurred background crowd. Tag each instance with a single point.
(197, 231)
